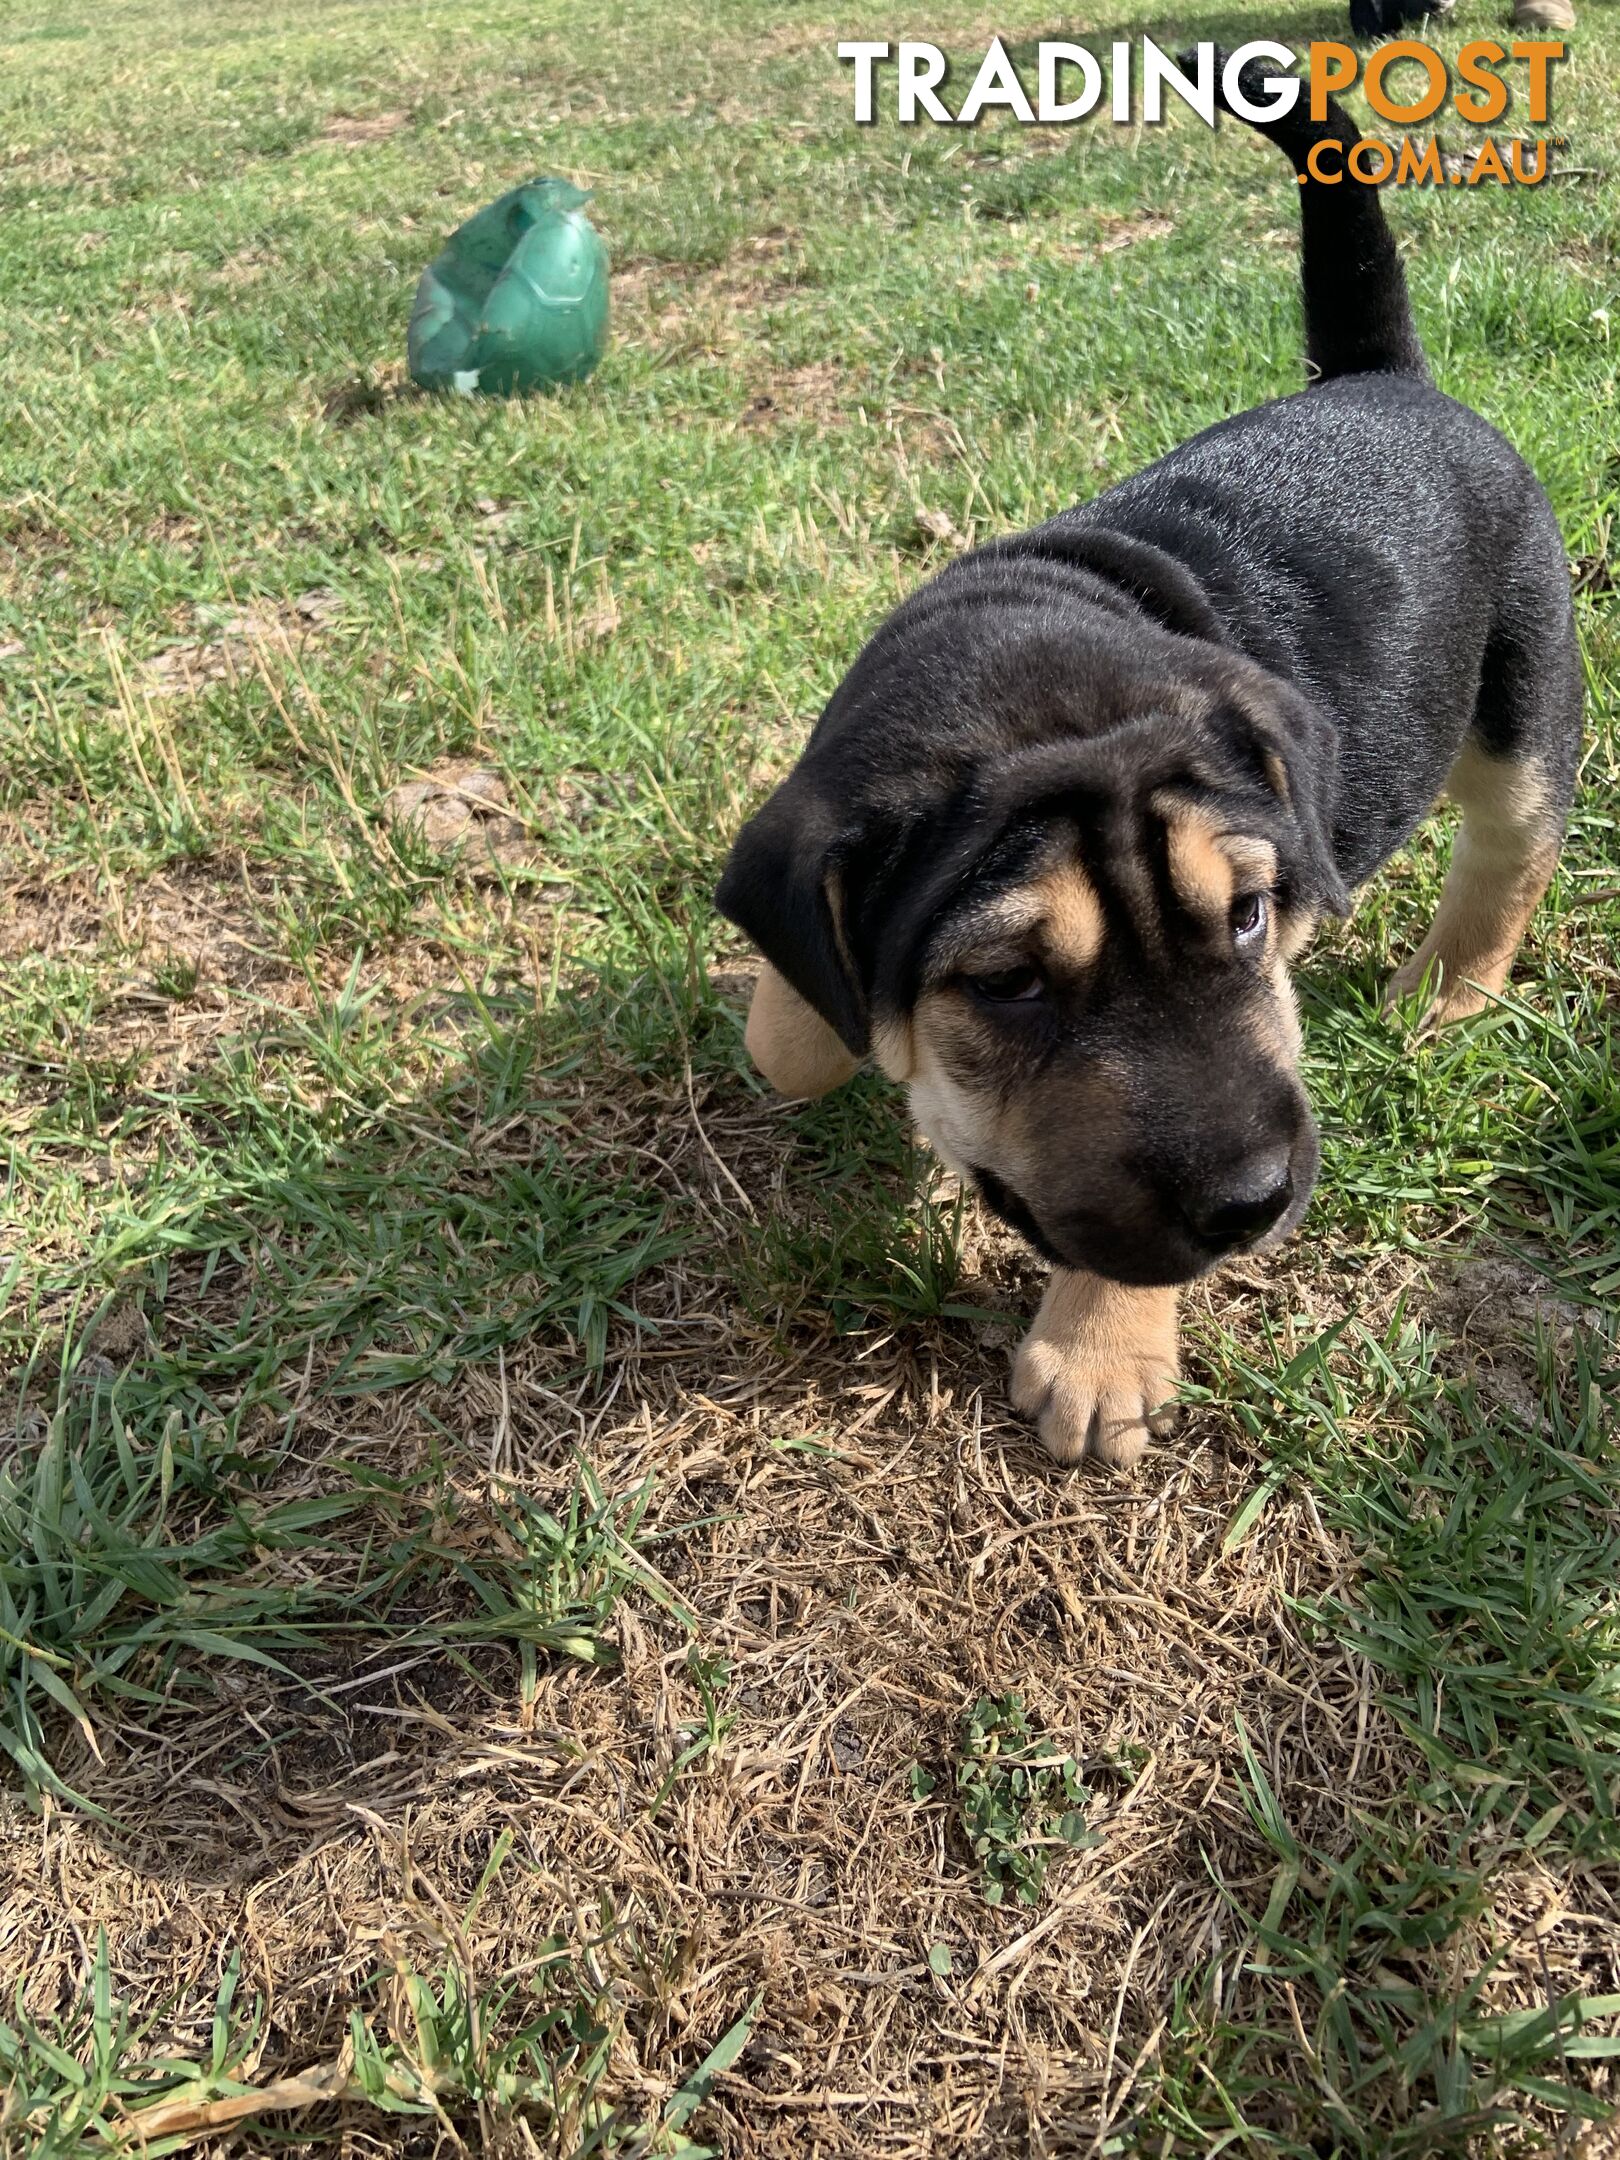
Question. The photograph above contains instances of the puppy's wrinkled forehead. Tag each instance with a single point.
(1147, 880)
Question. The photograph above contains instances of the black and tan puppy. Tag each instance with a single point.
(1080, 801)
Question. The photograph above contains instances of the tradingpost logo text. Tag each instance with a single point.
(1480, 88)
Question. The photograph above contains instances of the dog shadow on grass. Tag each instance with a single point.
(591, 1459)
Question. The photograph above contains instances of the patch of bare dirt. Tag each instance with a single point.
(371, 391)
(174, 957)
(45, 917)
(1123, 232)
(464, 810)
(172, 954)
(201, 931)
(818, 392)
(1491, 1301)
(1500, 1312)
(1116, 230)
(153, 305)
(193, 957)
(763, 269)
(683, 310)
(231, 637)
(172, 528)
(352, 129)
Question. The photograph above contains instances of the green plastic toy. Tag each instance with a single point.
(518, 300)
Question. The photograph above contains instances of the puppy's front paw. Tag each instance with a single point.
(1447, 998)
(1098, 1370)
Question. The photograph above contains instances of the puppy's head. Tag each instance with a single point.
(1071, 944)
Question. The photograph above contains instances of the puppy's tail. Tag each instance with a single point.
(1358, 320)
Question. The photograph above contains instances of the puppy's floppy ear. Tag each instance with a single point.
(1297, 752)
(783, 885)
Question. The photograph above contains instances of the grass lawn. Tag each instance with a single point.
(526, 1622)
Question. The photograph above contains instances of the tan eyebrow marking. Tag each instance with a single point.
(1201, 873)
(1253, 861)
(1060, 907)
(1208, 867)
(1071, 915)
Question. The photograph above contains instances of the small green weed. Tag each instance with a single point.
(711, 1676)
(1017, 1799)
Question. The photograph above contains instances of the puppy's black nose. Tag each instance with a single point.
(1239, 1208)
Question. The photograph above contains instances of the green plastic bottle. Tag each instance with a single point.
(518, 299)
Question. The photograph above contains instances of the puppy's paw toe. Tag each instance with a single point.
(1086, 1406)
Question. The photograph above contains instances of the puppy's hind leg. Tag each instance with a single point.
(1501, 862)
(1512, 782)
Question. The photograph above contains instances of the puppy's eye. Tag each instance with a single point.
(1010, 986)
(1249, 911)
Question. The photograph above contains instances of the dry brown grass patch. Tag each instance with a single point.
(869, 1540)
(353, 129)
